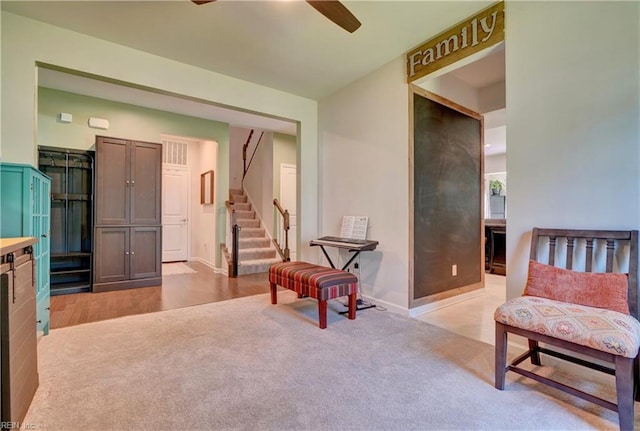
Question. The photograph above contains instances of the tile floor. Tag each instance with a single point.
(472, 318)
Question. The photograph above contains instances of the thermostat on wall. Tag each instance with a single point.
(65, 118)
(98, 123)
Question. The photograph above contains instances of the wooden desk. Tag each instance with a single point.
(495, 246)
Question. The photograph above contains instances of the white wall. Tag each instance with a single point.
(26, 42)
(204, 246)
(572, 120)
(365, 169)
(574, 158)
(258, 183)
(365, 156)
(495, 163)
(450, 87)
(492, 97)
(237, 138)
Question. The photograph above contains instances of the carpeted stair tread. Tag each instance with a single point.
(248, 254)
(256, 253)
(245, 215)
(258, 242)
(242, 206)
(256, 266)
(252, 232)
(248, 223)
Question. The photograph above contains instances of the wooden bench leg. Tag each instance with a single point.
(352, 306)
(501, 355)
(322, 313)
(274, 293)
(624, 390)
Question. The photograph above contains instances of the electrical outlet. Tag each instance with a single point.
(454, 270)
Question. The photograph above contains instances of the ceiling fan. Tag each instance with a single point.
(332, 9)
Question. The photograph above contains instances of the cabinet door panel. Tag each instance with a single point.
(146, 180)
(12, 188)
(112, 181)
(40, 189)
(146, 246)
(111, 255)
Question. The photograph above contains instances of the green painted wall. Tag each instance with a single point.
(128, 122)
(125, 121)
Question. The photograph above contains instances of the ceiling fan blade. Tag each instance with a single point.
(199, 2)
(336, 12)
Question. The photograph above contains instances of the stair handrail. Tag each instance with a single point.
(284, 254)
(244, 155)
(233, 234)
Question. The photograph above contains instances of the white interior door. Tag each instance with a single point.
(288, 202)
(175, 213)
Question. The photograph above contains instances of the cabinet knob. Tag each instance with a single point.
(127, 253)
(127, 182)
(132, 253)
(38, 321)
(133, 183)
(44, 235)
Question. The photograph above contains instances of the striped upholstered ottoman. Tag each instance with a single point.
(317, 282)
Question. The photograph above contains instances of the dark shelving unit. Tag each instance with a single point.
(72, 184)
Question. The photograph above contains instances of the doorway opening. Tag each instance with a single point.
(478, 83)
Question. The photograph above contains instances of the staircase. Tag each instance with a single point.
(256, 253)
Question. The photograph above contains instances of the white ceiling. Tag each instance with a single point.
(286, 45)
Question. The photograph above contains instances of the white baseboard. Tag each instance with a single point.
(414, 312)
(209, 264)
(389, 307)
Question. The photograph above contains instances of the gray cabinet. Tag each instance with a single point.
(131, 173)
(129, 256)
(497, 205)
(128, 230)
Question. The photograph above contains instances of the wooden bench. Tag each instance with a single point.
(315, 281)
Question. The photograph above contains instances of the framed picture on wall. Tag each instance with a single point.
(206, 188)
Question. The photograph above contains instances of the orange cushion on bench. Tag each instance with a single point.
(601, 290)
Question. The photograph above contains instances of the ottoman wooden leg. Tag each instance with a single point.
(322, 313)
(274, 293)
(352, 306)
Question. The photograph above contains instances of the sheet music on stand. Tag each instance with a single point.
(354, 227)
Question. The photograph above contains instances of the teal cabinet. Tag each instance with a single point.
(25, 209)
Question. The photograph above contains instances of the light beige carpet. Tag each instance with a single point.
(245, 364)
(176, 268)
